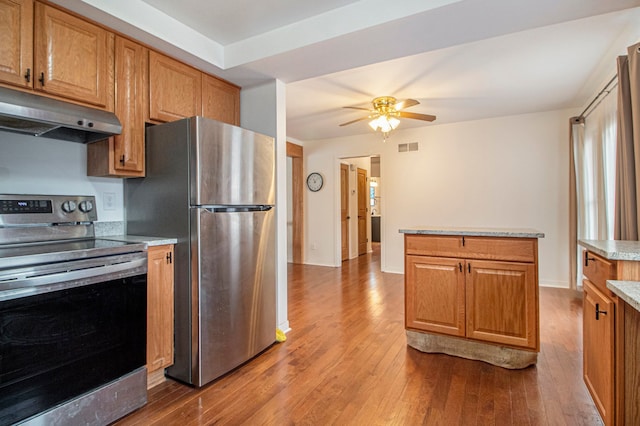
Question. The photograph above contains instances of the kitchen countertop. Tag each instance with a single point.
(474, 232)
(629, 291)
(149, 241)
(613, 250)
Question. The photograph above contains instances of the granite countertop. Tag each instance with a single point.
(149, 241)
(474, 232)
(612, 249)
(629, 291)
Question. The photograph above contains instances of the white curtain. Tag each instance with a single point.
(595, 160)
(593, 145)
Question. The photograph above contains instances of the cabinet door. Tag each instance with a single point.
(598, 351)
(175, 89)
(434, 295)
(131, 96)
(502, 303)
(73, 58)
(220, 100)
(16, 42)
(159, 308)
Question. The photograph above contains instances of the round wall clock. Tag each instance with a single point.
(314, 182)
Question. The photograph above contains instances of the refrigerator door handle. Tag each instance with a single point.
(238, 209)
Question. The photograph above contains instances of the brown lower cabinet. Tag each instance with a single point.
(610, 349)
(599, 313)
(159, 312)
(479, 288)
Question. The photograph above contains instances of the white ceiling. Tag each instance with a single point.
(462, 59)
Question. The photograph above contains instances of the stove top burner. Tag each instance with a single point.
(62, 251)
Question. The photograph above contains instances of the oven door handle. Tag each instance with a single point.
(38, 282)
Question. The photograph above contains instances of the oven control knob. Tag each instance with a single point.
(86, 206)
(69, 206)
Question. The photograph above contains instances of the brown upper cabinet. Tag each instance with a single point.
(50, 51)
(175, 89)
(123, 154)
(220, 100)
(16, 46)
(178, 91)
(73, 58)
(59, 54)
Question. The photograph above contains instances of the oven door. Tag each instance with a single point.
(62, 338)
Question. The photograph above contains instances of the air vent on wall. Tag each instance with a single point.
(406, 147)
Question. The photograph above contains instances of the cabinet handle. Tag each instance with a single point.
(41, 79)
(169, 260)
(469, 267)
(462, 241)
(122, 159)
(460, 266)
(27, 75)
(599, 312)
(587, 258)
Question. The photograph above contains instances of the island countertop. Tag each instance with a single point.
(613, 249)
(629, 291)
(474, 232)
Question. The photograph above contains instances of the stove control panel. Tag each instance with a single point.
(25, 206)
(18, 209)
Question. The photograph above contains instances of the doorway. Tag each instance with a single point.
(295, 213)
(355, 207)
(344, 211)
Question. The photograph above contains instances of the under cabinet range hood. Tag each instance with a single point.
(30, 114)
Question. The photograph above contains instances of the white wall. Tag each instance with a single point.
(502, 172)
(30, 165)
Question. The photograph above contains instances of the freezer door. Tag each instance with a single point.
(230, 165)
(235, 273)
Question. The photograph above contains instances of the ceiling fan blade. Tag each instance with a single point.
(354, 121)
(406, 103)
(416, 116)
(351, 107)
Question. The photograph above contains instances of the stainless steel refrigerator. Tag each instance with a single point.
(212, 186)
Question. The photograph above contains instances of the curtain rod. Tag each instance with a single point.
(604, 89)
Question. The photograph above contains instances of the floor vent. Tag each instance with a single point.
(406, 147)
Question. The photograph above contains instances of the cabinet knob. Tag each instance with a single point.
(599, 312)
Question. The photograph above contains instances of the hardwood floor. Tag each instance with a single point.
(346, 362)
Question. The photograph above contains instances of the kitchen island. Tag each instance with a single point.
(473, 293)
(611, 330)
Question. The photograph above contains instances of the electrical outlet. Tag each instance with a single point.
(109, 200)
(314, 246)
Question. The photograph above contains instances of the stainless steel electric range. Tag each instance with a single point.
(72, 315)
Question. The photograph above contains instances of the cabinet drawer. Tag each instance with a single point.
(434, 245)
(490, 248)
(598, 270)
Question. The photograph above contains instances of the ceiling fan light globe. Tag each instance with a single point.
(393, 122)
(374, 124)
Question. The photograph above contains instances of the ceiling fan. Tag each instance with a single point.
(386, 113)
